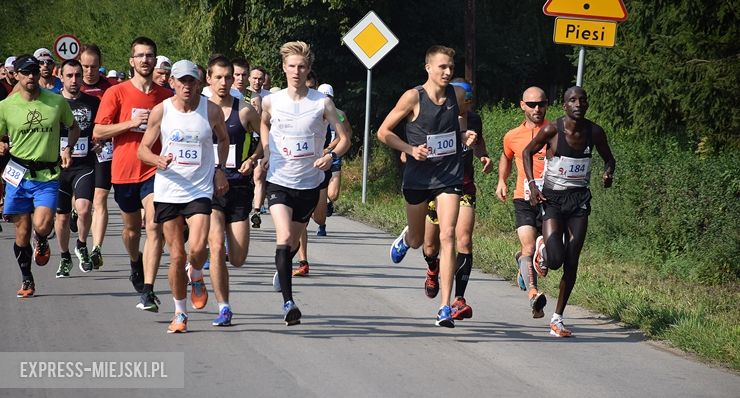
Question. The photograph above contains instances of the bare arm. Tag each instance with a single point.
(265, 126)
(504, 171)
(481, 152)
(250, 119)
(602, 146)
(407, 105)
(151, 135)
(106, 131)
(330, 114)
(72, 136)
(216, 118)
(534, 146)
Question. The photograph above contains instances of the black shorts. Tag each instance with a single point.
(327, 177)
(526, 215)
(570, 203)
(237, 203)
(130, 196)
(302, 201)
(169, 211)
(78, 182)
(102, 175)
(416, 196)
(467, 200)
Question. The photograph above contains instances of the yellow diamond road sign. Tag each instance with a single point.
(370, 40)
(585, 32)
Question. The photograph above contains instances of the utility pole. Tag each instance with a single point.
(470, 43)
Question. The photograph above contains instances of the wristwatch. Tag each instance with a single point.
(221, 167)
(334, 156)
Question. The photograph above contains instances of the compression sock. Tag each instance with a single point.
(525, 267)
(432, 262)
(464, 268)
(23, 255)
(283, 264)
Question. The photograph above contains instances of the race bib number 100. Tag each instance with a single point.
(442, 144)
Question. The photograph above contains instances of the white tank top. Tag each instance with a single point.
(189, 139)
(296, 140)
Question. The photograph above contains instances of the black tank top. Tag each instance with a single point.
(433, 119)
(237, 135)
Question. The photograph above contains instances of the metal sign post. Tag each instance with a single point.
(370, 40)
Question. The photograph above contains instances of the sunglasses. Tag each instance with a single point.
(27, 72)
(46, 62)
(533, 104)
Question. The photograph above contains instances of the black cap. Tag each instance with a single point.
(25, 62)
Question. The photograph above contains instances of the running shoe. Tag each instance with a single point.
(321, 231)
(557, 328)
(96, 257)
(461, 309)
(73, 221)
(292, 313)
(198, 293)
(431, 284)
(224, 318)
(538, 260)
(399, 248)
(137, 275)
(444, 317)
(148, 302)
(85, 264)
(41, 252)
(255, 219)
(329, 208)
(276, 282)
(179, 323)
(28, 288)
(302, 269)
(537, 302)
(64, 267)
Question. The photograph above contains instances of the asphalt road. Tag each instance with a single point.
(367, 331)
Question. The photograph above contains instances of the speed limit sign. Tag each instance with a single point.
(67, 47)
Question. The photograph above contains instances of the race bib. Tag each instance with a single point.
(134, 112)
(230, 159)
(14, 173)
(79, 150)
(186, 153)
(440, 145)
(298, 147)
(537, 181)
(106, 153)
(574, 168)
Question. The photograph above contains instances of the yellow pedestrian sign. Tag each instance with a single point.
(611, 10)
(370, 40)
(585, 32)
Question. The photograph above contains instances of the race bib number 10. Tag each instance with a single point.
(442, 144)
(79, 150)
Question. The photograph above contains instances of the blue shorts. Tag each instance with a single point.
(29, 195)
(336, 165)
(130, 196)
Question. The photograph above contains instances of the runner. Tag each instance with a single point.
(78, 180)
(123, 114)
(528, 218)
(465, 219)
(433, 170)
(32, 118)
(293, 131)
(10, 76)
(231, 211)
(96, 85)
(47, 80)
(162, 71)
(185, 126)
(565, 197)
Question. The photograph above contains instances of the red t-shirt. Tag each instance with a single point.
(514, 142)
(97, 89)
(117, 105)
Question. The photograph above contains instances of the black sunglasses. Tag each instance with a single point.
(533, 104)
(46, 62)
(26, 72)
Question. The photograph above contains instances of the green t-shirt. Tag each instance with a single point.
(33, 128)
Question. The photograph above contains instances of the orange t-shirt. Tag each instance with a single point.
(118, 105)
(514, 142)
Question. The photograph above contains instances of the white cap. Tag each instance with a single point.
(43, 53)
(163, 63)
(326, 89)
(112, 73)
(184, 68)
(9, 63)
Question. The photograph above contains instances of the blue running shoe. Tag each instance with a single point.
(224, 318)
(292, 313)
(399, 248)
(444, 317)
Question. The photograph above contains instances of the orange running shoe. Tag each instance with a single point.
(179, 323)
(28, 288)
(558, 329)
(302, 269)
(538, 260)
(41, 252)
(198, 293)
(461, 309)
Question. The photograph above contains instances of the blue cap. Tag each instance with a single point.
(467, 87)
